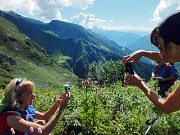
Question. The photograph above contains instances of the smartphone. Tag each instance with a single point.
(129, 68)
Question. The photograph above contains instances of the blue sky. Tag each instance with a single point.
(105, 14)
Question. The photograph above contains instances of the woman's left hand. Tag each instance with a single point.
(134, 57)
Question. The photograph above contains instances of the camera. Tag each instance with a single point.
(66, 88)
(129, 68)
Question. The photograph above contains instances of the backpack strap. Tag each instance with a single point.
(4, 127)
(156, 68)
(166, 68)
(13, 112)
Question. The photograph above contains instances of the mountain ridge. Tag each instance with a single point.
(81, 45)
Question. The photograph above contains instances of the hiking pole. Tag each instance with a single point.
(150, 122)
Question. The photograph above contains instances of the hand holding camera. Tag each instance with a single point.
(66, 88)
(128, 69)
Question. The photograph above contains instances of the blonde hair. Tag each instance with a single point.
(14, 90)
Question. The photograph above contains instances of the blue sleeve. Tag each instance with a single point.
(31, 111)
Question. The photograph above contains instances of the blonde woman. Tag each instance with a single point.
(166, 37)
(18, 114)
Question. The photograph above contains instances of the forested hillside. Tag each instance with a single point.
(80, 46)
(22, 57)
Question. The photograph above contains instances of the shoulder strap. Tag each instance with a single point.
(8, 109)
(156, 69)
(157, 66)
(13, 112)
(166, 68)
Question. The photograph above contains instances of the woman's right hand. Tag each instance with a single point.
(133, 57)
(64, 98)
(134, 80)
(61, 96)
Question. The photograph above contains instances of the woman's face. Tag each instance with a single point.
(27, 96)
(165, 52)
(160, 45)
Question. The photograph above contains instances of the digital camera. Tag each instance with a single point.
(129, 68)
(66, 88)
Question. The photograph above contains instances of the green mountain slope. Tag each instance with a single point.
(81, 45)
(65, 40)
(22, 57)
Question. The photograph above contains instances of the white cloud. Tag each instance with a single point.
(165, 8)
(90, 21)
(140, 28)
(27, 6)
(44, 10)
(83, 4)
(47, 10)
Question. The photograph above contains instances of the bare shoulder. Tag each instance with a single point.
(13, 119)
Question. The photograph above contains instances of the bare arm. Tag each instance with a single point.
(134, 57)
(156, 56)
(168, 105)
(172, 76)
(152, 75)
(18, 123)
(51, 111)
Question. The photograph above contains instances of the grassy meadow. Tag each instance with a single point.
(110, 110)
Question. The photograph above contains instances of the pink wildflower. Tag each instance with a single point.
(83, 82)
(97, 89)
(95, 82)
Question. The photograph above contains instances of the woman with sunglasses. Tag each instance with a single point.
(166, 37)
(17, 113)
